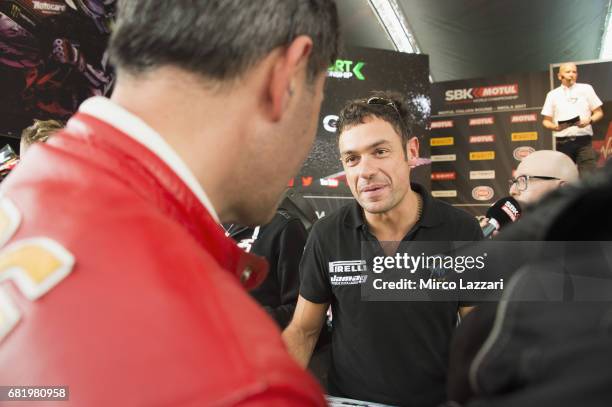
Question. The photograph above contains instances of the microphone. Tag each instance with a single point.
(504, 211)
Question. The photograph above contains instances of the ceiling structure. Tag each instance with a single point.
(484, 38)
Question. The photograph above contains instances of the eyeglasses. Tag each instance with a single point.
(522, 181)
(377, 100)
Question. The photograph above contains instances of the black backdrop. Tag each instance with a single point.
(358, 72)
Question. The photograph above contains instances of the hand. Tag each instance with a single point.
(483, 222)
(584, 123)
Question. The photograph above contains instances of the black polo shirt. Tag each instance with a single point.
(386, 352)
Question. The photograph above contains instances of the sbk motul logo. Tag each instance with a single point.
(443, 176)
(524, 118)
(444, 124)
(483, 193)
(480, 121)
(485, 138)
(453, 95)
(520, 153)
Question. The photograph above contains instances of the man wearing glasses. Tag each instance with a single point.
(386, 352)
(569, 111)
(539, 173)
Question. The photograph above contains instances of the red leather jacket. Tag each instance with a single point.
(145, 305)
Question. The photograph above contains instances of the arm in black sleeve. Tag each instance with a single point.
(290, 248)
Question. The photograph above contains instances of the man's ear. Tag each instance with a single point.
(412, 150)
(288, 73)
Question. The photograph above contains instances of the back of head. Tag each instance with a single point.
(549, 163)
(219, 39)
(389, 106)
(40, 131)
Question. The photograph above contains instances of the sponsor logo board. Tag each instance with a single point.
(444, 193)
(483, 193)
(444, 176)
(524, 118)
(442, 124)
(443, 157)
(441, 141)
(521, 152)
(484, 92)
(525, 136)
(482, 121)
(485, 138)
(485, 174)
(482, 155)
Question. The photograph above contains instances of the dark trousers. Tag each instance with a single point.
(580, 150)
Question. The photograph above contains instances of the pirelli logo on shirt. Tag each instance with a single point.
(525, 136)
(349, 266)
(343, 272)
(441, 141)
(482, 155)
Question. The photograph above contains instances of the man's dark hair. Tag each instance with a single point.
(399, 115)
(219, 39)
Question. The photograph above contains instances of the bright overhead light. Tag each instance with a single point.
(606, 39)
(392, 19)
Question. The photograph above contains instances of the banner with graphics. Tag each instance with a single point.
(361, 70)
(52, 57)
(598, 74)
(480, 130)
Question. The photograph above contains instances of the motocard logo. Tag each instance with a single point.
(443, 176)
(525, 136)
(453, 95)
(485, 138)
(481, 121)
(442, 124)
(482, 155)
(441, 141)
(520, 153)
(490, 174)
(524, 118)
(443, 157)
(330, 122)
(444, 193)
(483, 193)
(49, 7)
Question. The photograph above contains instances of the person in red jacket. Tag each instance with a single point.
(117, 281)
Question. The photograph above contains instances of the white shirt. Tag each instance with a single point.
(103, 109)
(564, 103)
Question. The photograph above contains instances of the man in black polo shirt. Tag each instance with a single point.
(386, 352)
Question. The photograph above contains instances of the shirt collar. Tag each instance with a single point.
(104, 109)
(354, 217)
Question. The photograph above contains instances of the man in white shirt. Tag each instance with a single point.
(569, 111)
